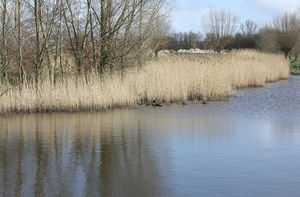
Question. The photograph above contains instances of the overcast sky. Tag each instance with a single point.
(187, 14)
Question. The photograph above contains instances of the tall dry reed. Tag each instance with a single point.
(171, 78)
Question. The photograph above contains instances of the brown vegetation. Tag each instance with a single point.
(287, 28)
(69, 55)
(38, 37)
(171, 78)
(221, 27)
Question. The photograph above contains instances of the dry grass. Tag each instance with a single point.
(171, 78)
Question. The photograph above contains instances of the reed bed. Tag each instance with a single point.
(171, 78)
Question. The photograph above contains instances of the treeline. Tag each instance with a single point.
(222, 32)
(49, 39)
(189, 40)
(52, 39)
(184, 40)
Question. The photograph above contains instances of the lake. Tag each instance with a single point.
(246, 146)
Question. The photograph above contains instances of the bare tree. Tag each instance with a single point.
(249, 28)
(91, 19)
(221, 27)
(247, 38)
(77, 35)
(266, 39)
(286, 29)
(60, 40)
(184, 40)
(72, 36)
(19, 40)
(4, 77)
(127, 28)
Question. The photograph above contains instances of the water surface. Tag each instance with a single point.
(246, 146)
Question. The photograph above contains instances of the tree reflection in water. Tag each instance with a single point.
(76, 155)
(194, 150)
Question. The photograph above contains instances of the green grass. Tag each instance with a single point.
(295, 65)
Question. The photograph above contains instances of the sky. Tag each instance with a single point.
(188, 15)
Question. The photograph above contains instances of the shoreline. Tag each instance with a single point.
(170, 79)
(152, 104)
(295, 72)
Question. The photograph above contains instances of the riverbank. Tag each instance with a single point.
(295, 66)
(295, 71)
(171, 78)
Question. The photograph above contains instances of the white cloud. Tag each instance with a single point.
(274, 6)
(188, 14)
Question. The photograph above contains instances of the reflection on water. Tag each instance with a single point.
(76, 155)
(247, 146)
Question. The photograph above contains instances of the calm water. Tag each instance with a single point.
(247, 146)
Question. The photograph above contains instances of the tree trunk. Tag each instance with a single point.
(140, 34)
(103, 44)
(60, 42)
(4, 43)
(19, 38)
(92, 34)
(37, 42)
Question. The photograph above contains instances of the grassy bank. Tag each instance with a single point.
(295, 66)
(171, 78)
